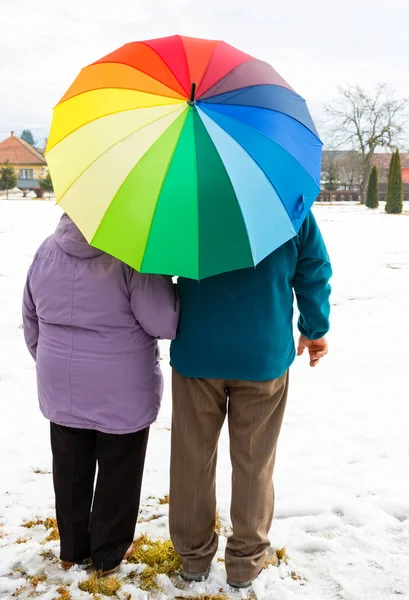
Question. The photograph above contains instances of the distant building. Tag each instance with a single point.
(347, 165)
(28, 162)
(382, 161)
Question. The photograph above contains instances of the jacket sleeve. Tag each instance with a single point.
(155, 304)
(311, 281)
(30, 319)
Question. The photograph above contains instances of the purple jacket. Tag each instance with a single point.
(91, 324)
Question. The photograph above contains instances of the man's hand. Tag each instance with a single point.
(317, 349)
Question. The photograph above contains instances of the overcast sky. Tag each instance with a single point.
(316, 45)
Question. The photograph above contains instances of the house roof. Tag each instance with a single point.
(18, 152)
(382, 160)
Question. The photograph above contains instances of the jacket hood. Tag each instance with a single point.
(70, 239)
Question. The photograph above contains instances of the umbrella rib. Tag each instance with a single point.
(197, 196)
(162, 185)
(121, 88)
(231, 183)
(208, 65)
(269, 138)
(110, 148)
(257, 164)
(166, 65)
(119, 62)
(263, 107)
(177, 104)
(224, 79)
(198, 83)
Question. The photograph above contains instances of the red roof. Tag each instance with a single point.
(382, 160)
(18, 152)
(405, 175)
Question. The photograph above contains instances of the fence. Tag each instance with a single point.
(339, 196)
(343, 196)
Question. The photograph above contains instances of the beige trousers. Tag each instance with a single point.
(255, 412)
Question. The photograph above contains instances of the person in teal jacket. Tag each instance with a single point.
(231, 358)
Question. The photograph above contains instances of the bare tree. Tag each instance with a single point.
(365, 123)
(331, 170)
(352, 170)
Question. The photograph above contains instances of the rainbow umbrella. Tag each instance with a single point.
(184, 156)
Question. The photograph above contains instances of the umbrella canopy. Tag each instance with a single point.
(184, 156)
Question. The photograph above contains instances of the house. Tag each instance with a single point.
(28, 162)
(382, 161)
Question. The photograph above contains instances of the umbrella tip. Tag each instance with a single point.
(191, 100)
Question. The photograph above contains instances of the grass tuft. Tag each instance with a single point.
(39, 471)
(270, 560)
(282, 554)
(164, 500)
(22, 540)
(218, 525)
(95, 584)
(36, 579)
(48, 523)
(219, 528)
(52, 536)
(276, 557)
(49, 555)
(160, 558)
(32, 523)
(64, 593)
(148, 519)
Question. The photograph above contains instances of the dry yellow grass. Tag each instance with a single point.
(282, 555)
(22, 540)
(41, 471)
(276, 557)
(219, 528)
(48, 523)
(49, 555)
(32, 523)
(218, 524)
(164, 500)
(148, 519)
(36, 579)
(64, 594)
(270, 560)
(96, 584)
(52, 536)
(159, 556)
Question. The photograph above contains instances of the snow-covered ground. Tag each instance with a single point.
(342, 484)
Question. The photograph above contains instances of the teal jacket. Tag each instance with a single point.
(239, 325)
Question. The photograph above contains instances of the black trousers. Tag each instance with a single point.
(97, 524)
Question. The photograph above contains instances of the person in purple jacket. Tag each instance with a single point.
(91, 323)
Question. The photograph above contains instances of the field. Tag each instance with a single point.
(342, 485)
